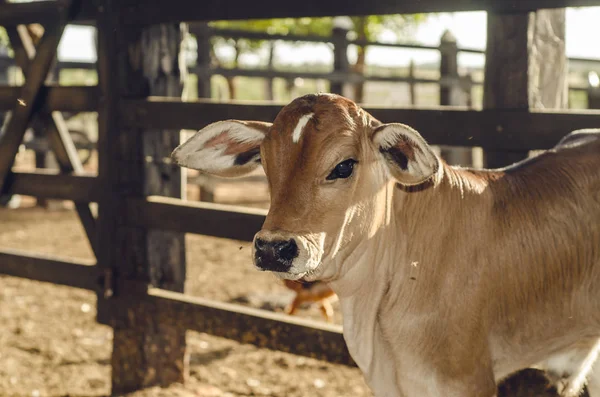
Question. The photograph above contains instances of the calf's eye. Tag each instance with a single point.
(343, 170)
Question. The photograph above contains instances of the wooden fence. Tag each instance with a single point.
(341, 74)
(139, 288)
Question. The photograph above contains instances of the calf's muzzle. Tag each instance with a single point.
(275, 255)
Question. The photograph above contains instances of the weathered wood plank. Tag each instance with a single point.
(337, 76)
(51, 185)
(217, 220)
(135, 63)
(526, 68)
(161, 11)
(68, 160)
(31, 98)
(30, 12)
(58, 133)
(66, 99)
(504, 129)
(166, 259)
(44, 12)
(247, 325)
(76, 273)
(108, 168)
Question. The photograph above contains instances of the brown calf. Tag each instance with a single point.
(449, 279)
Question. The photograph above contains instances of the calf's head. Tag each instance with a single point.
(329, 165)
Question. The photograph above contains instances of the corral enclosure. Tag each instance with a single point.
(135, 229)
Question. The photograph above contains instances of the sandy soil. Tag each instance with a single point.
(50, 344)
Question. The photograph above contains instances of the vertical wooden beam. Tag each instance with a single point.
(31, 98)
(54, 124)
(4, 65)
(452, 95)
(135, 63)
(593, 94)
(340, 54)
(449, 94)
(525, 67)
(202, 32)
(269, 89)
(412, 89)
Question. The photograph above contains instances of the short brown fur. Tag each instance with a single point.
(507, 261)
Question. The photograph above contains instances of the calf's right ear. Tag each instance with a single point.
(409, 158)
(226, 148)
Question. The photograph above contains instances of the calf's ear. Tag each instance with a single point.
(226, 148)
(409, 158)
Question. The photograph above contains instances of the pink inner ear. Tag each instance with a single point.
(407, 147)
(232, 146)
(217, 140)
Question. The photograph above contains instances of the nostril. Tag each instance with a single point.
(287, 250)
(259, 244)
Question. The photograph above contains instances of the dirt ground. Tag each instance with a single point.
(50, 344)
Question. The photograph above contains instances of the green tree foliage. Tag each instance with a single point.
(371, 25)
(3, 38)
(361, 28)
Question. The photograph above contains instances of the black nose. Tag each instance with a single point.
(276, 255)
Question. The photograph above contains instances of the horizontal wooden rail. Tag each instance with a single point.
(67, 99)
(258, 327)
(589, 61)
(497, 129)
(331, 76)
(70, 272)
(161, 11)
(192, 115)
(217, 220)
(30, 12)
(76, 65)
(252, 35)
(5, 61)
(49, 184)
(247, 325)
(43, 12)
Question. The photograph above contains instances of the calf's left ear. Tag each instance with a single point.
(409, 158)
(226, 148)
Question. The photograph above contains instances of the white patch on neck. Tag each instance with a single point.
(300, 126)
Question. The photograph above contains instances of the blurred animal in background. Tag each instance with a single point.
(311, 292)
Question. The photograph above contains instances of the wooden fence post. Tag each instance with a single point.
(4, 65)
(412, 89)
(136, 62)
(202, 32)
(452, 95)
(593, 94)
(525, 68)
(340, 53)
(449, 94)
(269, 92)
(46, 159)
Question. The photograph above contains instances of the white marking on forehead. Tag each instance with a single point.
(300, 126)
